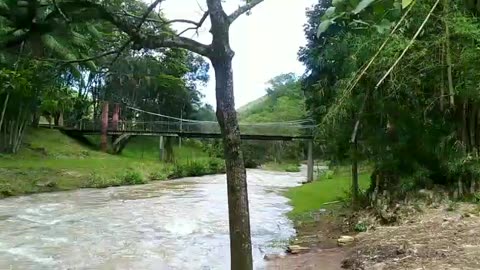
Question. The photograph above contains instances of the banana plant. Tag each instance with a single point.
(363, 14)
(46, 36)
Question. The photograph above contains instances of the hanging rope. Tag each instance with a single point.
(292, 122)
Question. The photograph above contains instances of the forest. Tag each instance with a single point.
(390, 87)
(396, 84)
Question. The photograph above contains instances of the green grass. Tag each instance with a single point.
(52, 161)
(313, 196)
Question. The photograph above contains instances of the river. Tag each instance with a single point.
(181, 224)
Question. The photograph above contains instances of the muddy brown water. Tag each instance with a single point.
(181, 224)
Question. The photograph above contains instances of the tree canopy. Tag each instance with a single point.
(409, 92)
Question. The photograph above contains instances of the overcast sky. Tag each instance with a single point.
(265, 43)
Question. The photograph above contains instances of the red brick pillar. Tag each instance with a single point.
(116, 116)
(104, 130)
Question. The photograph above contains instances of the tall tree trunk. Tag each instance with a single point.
(472, 110)
(238, 209)
(354, 146)
(448, 55)
(442, 83)
(5, 104)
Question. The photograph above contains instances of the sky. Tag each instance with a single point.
(265, 42)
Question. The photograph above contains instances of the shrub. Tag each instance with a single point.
(158, 175)
(197, 168)
(216, 165)
(133, 177)
(97, 180)
(6, 191)
(327, 174)
(292, 168)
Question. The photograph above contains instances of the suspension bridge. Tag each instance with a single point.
(176, 127)
(121, 130)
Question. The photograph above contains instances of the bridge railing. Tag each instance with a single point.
(193, 128)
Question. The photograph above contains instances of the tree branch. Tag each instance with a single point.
(137, 29)
(197, 25)
(172, 41)
(243, 9)
(141, 40)
(91, 58)
(60, 11)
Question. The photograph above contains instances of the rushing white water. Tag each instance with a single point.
(181, 224)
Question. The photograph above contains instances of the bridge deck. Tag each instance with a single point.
(195, 130)
(191, 135)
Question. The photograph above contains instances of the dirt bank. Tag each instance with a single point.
(320, 235)
(443, 237)
(438, 238)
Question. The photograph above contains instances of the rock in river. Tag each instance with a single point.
(345, 240)
(296, 249)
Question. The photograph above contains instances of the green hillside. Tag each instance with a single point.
(51, 161)
(283, 102)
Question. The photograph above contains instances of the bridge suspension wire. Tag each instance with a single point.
(299, 122)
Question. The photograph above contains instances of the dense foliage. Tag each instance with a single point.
(47, 69)
(284, 102)
(419, 126)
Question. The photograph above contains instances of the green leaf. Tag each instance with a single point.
(337, 3)
(362, 5)
(324, 27)
(54, 45)
(94, 31)
(384, 26)
(406, 3)
(330, 12)
(91, 65)
(3, 6)
(360, 22)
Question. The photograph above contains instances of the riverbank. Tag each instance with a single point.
(429, 232)
(51, 161)
(319, 219)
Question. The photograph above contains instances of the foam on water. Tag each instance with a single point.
(181, 224)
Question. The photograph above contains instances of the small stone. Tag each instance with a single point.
(49, 184)
(296, 249)
(271, 257)
(345, 240)
(378, 266)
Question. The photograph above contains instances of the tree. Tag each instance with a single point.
(407, 130)
(220, 54)
(144, 31)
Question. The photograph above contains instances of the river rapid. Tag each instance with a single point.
(181, 224)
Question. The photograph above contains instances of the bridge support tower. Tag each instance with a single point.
(161, 148)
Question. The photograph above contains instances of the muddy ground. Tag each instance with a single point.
(436, 238)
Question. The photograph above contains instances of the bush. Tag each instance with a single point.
(292, 168)
(327, 174)
(158, 175)
(6, 191)
(133, 177)
(216, 165)
(97, 180)
(197, 168)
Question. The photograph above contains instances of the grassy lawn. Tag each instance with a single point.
(52, 161)
(313, 196)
